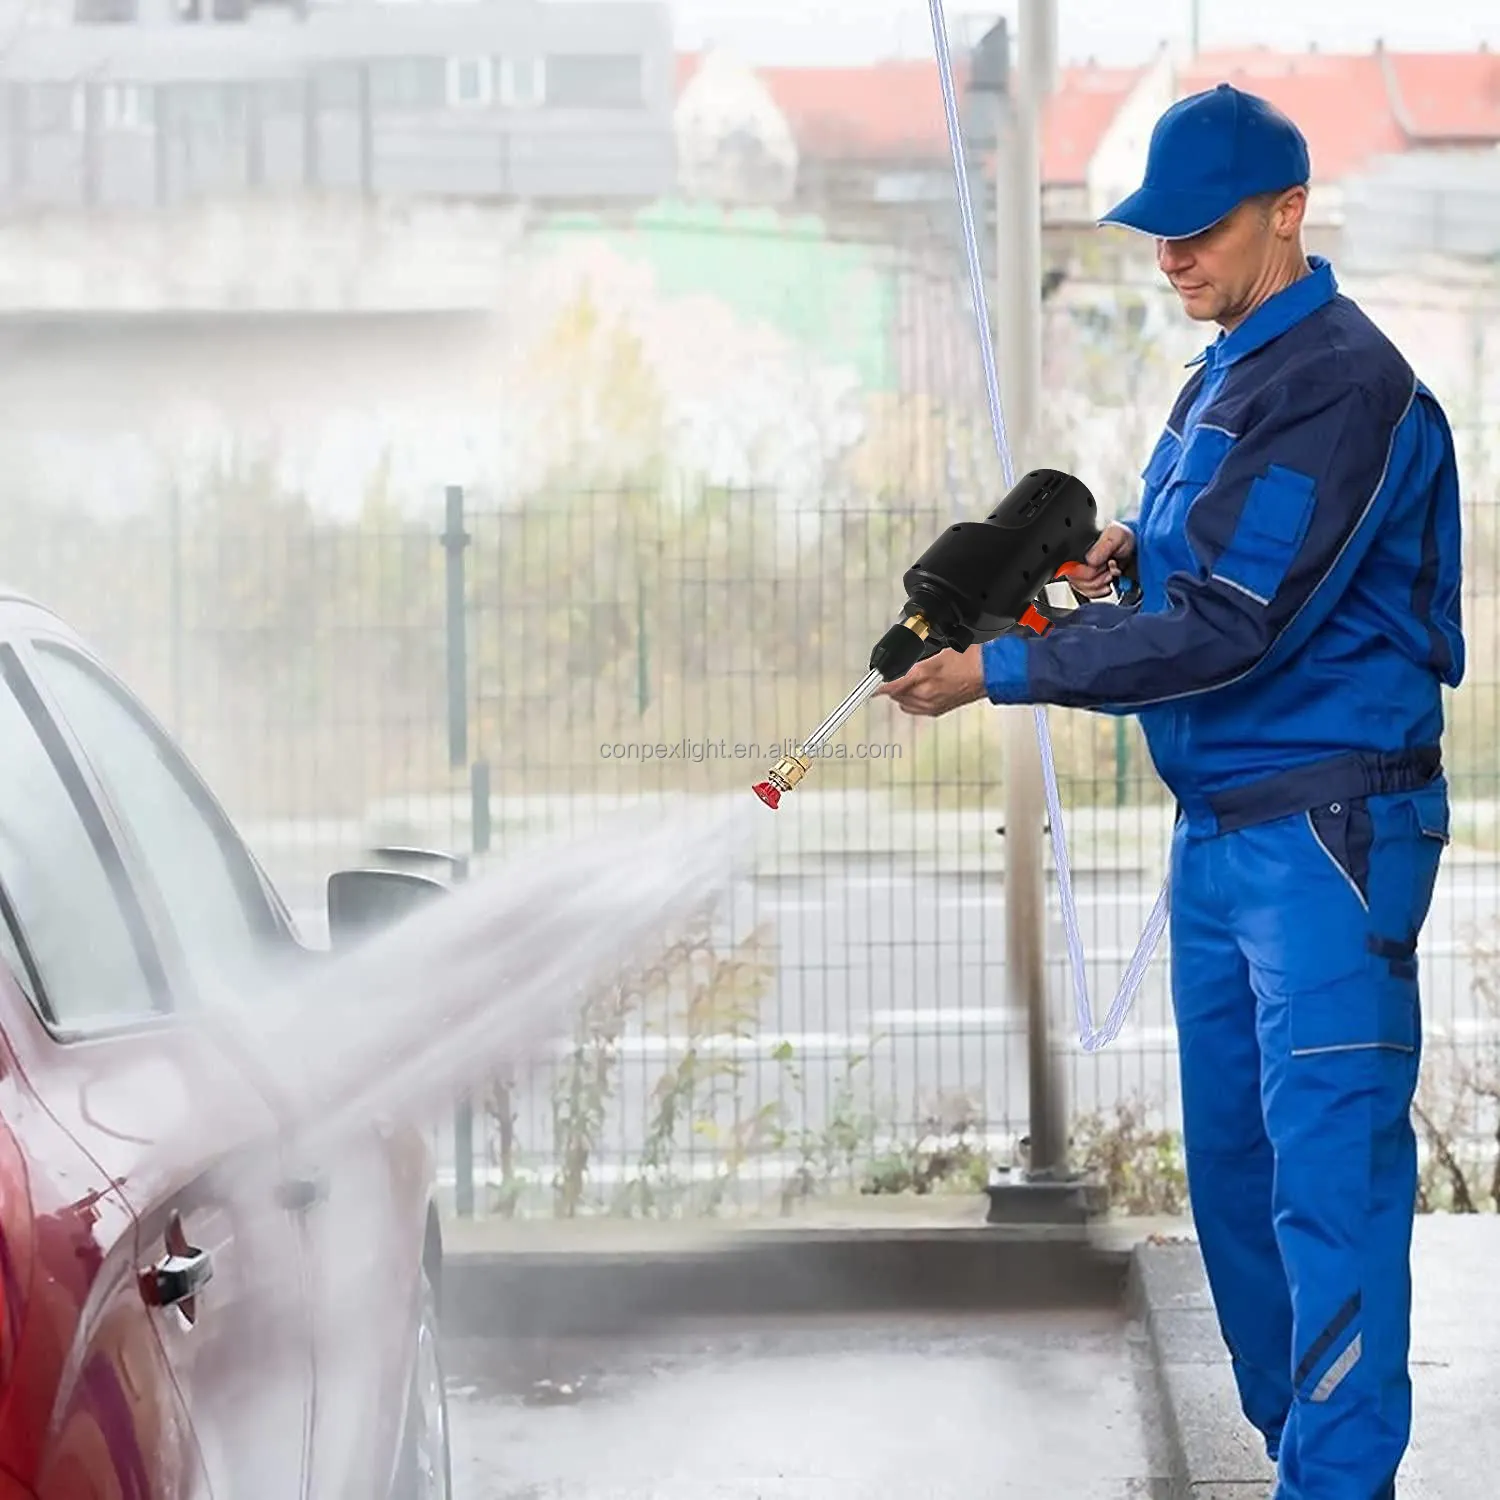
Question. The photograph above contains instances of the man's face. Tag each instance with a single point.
(1217, 273)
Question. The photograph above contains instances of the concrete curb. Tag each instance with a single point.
(1213, 1453)
(555, 1292)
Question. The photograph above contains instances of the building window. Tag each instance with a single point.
(522, 82)
(407, 84)
(471, 82)
(129, 106)
(104, 12)
(584, 82)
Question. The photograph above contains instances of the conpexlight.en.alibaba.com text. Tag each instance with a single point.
(699, 750)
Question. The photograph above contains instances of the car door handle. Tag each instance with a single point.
(177, 1278)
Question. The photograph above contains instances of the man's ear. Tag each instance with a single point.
(1289, 212)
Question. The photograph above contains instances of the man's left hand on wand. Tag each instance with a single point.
(938, 685)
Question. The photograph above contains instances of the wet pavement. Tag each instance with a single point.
(930, 1408)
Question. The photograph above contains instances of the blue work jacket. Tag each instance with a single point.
(1298, 549)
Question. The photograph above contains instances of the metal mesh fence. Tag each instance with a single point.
(840, 1025)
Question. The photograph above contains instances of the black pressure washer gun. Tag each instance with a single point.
(977, 581)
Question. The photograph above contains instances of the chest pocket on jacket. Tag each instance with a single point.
(1164, 543)
(1272, 524)
(1161, 463)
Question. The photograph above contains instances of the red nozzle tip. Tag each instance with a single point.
(768, 794)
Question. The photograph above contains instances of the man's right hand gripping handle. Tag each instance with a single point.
(1107, 561)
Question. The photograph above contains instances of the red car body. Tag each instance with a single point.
(188, 1308)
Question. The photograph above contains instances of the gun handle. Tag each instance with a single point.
(1039, 623)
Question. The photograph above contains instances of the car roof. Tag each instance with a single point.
(18, 609)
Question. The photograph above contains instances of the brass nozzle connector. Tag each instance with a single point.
(783, 776)
(790, 769)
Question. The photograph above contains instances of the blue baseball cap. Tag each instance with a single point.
(1208, 153)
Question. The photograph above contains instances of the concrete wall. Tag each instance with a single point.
(446, 343)
(301, 255)
(474, 343)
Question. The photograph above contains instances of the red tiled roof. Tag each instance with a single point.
(1079, 111)
(1447, 96)
(1343, 103)
(895, 109)
(1338, 101)
(887, 111)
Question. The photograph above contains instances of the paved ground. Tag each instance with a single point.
(1455, 1448)
(1078, 1403)
(952, 1408)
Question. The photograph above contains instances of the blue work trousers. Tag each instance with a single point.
(1296, 996)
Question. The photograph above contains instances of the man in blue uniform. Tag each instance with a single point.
(1297, 547)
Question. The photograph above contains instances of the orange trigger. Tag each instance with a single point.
(1034, 620)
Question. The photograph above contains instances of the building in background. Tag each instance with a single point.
(146, 103)
(1095, 129)
(863, 145)
(142, 102)
(734, 143)
(873, 137)
(1439, 199)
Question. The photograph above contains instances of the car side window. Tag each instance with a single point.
(218, 911)
(10, 952)
(58, 893)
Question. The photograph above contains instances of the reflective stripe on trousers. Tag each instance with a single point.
(1294, 980)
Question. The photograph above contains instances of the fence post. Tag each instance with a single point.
(455, 542)
(1048, 1190)
(463, 1121)
(642, 649)
(480, 840)
(1019, 317)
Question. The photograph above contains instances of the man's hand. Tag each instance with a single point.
(1104, 562)
(939, 684)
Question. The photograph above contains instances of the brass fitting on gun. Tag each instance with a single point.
(782, 777)
(894, 655)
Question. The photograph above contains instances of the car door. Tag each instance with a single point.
(88, 1407)
(169, 1109)
(359, 1199)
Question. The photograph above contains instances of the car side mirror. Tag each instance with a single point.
(362, 903)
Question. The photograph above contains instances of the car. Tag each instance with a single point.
(192, 1303)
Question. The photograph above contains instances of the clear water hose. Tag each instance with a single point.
(1090, 1036)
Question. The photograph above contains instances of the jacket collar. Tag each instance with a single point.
(1273, 317)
